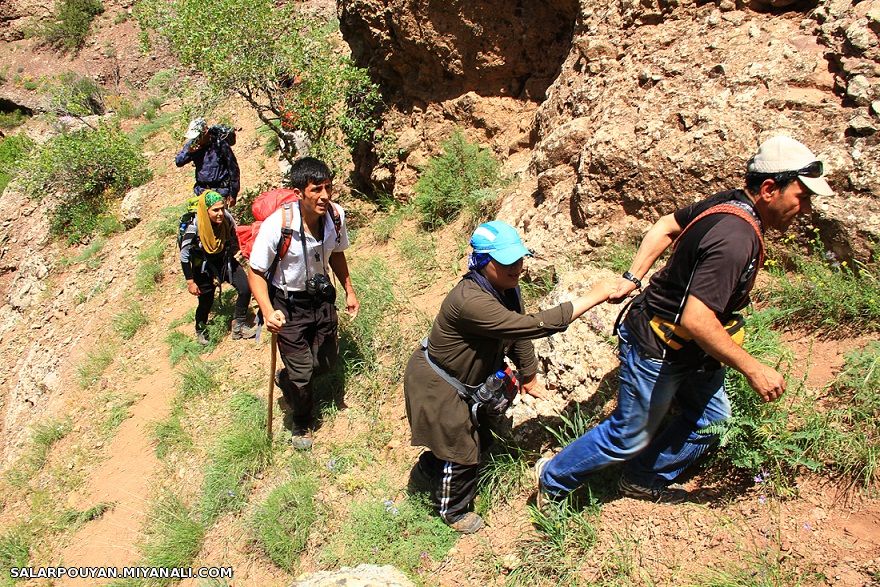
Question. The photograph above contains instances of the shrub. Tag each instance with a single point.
(71, 23)
(463, 178)
(13, 118)
(825, 292)
(283, 62)
(85, 168)
(73, 94)
(130, 320)
(764, 439)
(13, 150)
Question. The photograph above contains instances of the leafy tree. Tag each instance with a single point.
(71, 23)
(282, 62)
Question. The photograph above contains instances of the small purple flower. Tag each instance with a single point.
(389, 507)
(331, 465)
(762, 499)
(758, 479)
(808, 527)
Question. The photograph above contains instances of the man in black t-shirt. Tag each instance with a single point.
(673, 341)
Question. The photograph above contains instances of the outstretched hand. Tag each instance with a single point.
(622, 289)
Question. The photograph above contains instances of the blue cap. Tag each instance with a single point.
(500, 240)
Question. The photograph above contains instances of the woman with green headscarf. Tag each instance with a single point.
(207, 255)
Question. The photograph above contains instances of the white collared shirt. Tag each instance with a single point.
(291, 273)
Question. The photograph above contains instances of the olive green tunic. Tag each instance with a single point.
(471, 335)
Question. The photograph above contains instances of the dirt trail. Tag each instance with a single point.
(125, 478)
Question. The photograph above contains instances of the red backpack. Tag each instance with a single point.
(263, 207)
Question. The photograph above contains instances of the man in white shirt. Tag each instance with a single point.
(293, 290)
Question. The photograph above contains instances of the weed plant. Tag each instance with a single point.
(197, 379)
(13, 119)
(149, 271)
(174, 535)
(75, 95)
(168, 223)
(617, 256)
(170, 435)
(767, 440)
(88, 373)
(87, 168)
(850, 441)
(404, 534)
(15, 552)
(387, 225)
(13, 150)
(567, 535)
(130, 321)
(117, 407)
(44, 436)
(283, 522)
(361, 342)
(242, 210)
(69, 27)
(241, 451)
(464, 179)
(572, 426)
(830, 295)
(90, 255)
(502, 477)
(182, 347)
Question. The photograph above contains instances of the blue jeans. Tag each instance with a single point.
(647, 388)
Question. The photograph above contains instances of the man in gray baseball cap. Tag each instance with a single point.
(680, 332)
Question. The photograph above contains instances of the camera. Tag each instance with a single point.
(320, 288)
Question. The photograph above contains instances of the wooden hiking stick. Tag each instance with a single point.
(274, 347)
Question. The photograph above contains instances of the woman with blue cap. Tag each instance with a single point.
(480, 322)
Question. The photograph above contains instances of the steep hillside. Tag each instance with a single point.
(124, 443)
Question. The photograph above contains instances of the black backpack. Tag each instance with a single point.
(223, 132)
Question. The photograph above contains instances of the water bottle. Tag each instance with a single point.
(491, 390)
(495, 381)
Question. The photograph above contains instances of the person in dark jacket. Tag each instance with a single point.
(480, 322)
(682, 329)
(210, 151)
(207, 256)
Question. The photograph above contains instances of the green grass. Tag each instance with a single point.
(282, 524)
(43, 437)
(15, 551)
(149, 271)
(90, 256)
(404, 534)
(197, 379)
(174, 535)
(240, 452)
(130, 321)
(419, 251)
(91, 369)
(835, 297)
(389, 224)
(850, 443)
(72, 519)
(170, 435)
(770, 568)
(154, 126)
(616, 256)
(169, 220)
(118, 407)
(182, 347)
(502, 477)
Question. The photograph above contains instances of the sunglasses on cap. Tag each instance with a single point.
(814, 169)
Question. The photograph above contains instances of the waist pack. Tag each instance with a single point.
(676, 336)
(494, 402)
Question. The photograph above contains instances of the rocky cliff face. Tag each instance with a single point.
(653, 103)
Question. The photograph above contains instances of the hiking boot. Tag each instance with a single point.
(240, 329)
(468, 523)
(202, 336)
(541, 497)
(301, 438)
(674, 493)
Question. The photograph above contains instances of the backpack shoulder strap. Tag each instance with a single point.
(284, 242)
(337, 221)
(726, 208)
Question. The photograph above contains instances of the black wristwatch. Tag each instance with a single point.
(630, 277)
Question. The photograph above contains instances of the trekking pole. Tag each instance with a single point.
(274, 347)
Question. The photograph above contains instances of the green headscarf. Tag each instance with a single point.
(211, 242)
